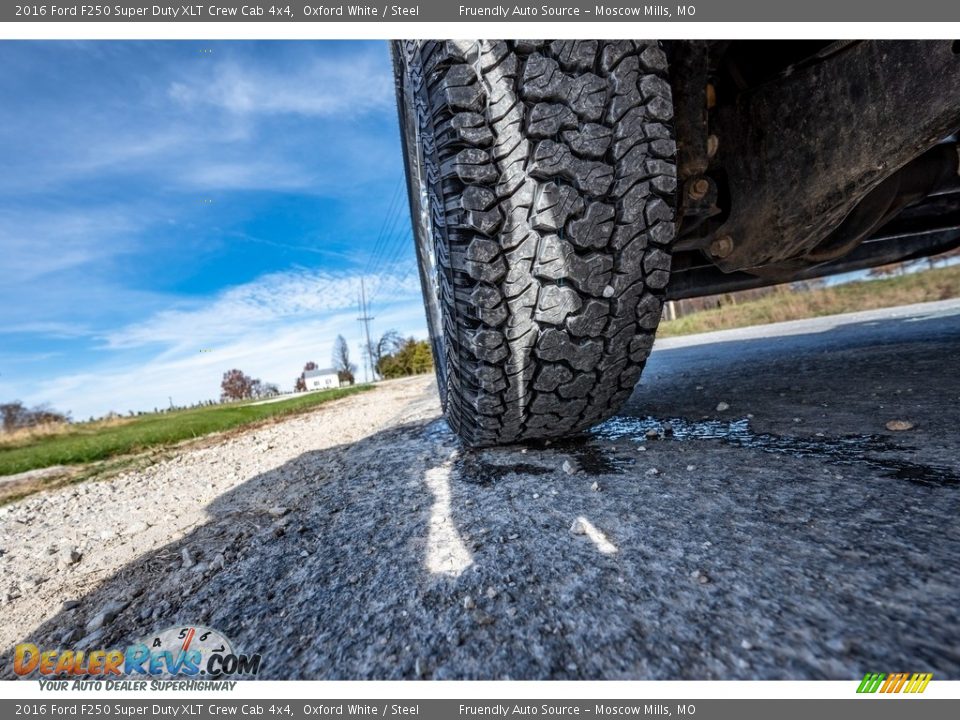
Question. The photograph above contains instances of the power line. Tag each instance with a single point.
(389, 221)
(401, 245)
(383, 226)
(388, 248)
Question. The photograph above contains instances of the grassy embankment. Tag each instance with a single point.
(79, 444)
(786, 304)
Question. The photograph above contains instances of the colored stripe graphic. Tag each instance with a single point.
(918, 683)
(870, 683)
(894, 682)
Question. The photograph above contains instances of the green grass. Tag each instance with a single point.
(83, 443)
(786, 304)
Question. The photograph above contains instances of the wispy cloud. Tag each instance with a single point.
(40, 243)
(262, 174)
(342, 88)
(274, 299)
(57, 330)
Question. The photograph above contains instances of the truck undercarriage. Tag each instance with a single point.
(803, 159)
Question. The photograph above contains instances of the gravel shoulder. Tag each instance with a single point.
(788, 535)
(72, 543)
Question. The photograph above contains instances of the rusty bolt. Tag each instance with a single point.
(698, 189)
(722, 246)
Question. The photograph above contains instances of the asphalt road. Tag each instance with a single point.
(788, 535)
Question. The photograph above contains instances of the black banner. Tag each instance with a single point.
(478, 11)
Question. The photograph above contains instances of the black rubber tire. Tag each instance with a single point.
(542, 179)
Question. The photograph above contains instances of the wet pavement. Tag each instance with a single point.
(824, 388)
(754, 494)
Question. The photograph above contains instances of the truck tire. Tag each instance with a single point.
(542, 181)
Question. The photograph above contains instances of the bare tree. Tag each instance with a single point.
(261, 389)
(388, 344)
(341, 361)
(15, 415)
(44, 415)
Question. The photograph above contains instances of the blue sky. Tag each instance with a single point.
(160, 199)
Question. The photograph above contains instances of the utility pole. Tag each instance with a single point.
(365, 319)
(363, 355)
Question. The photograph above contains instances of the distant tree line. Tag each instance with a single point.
(901, 268)
(237, 385)
(16, 416)
(395, 356)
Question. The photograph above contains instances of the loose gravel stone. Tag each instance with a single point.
(67, 556)
(483, 618)
(106, 616)
(136, 528)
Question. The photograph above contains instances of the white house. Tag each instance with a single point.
(321, 379)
